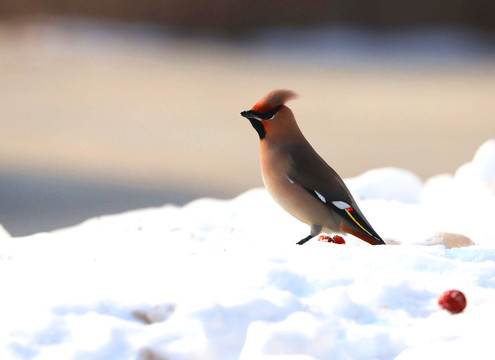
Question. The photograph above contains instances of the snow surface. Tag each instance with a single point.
(224, 279)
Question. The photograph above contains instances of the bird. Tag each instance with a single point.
(298, 179)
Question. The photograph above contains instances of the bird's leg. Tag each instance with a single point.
(303, 241)
(315, 230)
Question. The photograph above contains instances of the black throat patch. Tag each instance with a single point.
(259, 127)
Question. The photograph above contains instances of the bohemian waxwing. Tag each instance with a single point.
(298, 179)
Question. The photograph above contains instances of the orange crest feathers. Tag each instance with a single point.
(273, 99)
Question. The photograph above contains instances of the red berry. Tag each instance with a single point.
(338, 239)
(324, 238)
(453, 301)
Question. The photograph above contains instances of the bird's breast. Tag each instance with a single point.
(292, 197)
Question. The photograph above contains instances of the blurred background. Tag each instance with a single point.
(108, 106)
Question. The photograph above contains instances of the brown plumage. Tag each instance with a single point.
(298, 179)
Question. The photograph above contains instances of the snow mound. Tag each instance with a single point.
(387, 184)
(473, 180)
(464, 202)
(223, 279)
(3, 233)
(479, 174)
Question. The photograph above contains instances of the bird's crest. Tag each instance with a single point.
(274, 99)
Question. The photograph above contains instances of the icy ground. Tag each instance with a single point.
(225, 280)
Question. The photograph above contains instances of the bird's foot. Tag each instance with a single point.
(305, 240)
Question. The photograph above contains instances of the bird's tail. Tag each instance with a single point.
(370, 236)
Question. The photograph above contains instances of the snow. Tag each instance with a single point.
(223, 279)
(387, 184)
(3, 233)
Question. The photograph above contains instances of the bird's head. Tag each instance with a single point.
(265, 113)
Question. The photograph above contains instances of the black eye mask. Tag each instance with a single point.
(267, 115)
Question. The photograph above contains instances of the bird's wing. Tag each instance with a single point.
(308, 170)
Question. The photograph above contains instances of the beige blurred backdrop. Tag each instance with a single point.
(100, 117)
